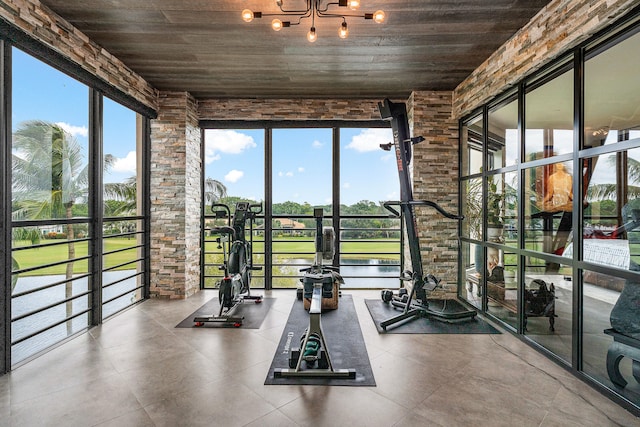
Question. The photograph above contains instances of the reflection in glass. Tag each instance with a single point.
(503, 135)
(611, 217)
(548, 204)
(549, 118)
(548, 306)
(502, 285)
(611, 96)
(601, 294)
(471, 149)
(473, 262)
(472, 208)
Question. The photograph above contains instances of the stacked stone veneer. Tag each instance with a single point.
(46, 26)
(288, 109)
(175, 197)
(435, 178)
(560, 26)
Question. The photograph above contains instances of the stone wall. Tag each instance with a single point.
(50, 29)
(175, 197)
(288, 109)
(560, 26)
(435, 178)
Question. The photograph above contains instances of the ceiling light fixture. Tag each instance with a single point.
(315, 9)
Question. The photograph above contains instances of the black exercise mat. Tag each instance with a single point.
(381, 311)
(344, 339)
(253, 314)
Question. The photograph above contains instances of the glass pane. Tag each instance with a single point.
(548, 306)
(234, 172)
(50, 140)
(302, 164)
(234, 165)
(120, 139)
(472, 260)
(548, 204)
(360, 154)
(503, 135)
(611, 100)
(610, 312)
(510, 192)
(471, 140)
(611, 218)
(370, 240)
(549, 118)
(502, 285)
(472, 203)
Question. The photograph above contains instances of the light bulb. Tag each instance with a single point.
(354, 4)
(247, 15)
(279, 3)
(276, 24)
(311, 35)
(344, 31)
(379, 16)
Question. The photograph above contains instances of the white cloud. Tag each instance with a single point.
(126, 164)
(234, 175)
(346, 185)
(370, 139)
(300, 169)
(317, 144)
(74, 130)
(280, 173)
(225, 141)
(289, 174)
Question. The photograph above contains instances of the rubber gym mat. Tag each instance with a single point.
(344, 339)
(380, 311)
(253, 314)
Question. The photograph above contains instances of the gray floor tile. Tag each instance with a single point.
(137, 369)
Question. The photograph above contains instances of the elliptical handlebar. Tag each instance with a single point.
(388, 206)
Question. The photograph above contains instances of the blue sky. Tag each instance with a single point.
(302, 162)
(43, 93)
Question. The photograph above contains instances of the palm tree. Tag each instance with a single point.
(213, 190)
(125, 192)
(598, 192)
(49, 177)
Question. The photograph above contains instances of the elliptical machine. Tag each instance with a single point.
(234, 288)
(452, 310)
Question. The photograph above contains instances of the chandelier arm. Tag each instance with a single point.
(309, 7)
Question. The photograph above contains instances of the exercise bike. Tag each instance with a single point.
(449, 310)
(234, 288)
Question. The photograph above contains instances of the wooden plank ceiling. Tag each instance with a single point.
(203, 46)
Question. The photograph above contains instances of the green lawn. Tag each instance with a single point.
(30, 258)
(34, 257)
(350, 249)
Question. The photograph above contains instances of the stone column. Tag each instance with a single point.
(175, 197)
(435, 178)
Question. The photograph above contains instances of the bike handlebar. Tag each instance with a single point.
(388, 206)
(224, 230)
(252, 208)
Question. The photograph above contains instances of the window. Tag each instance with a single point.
(50, 280)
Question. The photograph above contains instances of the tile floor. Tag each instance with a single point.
(139, 370)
